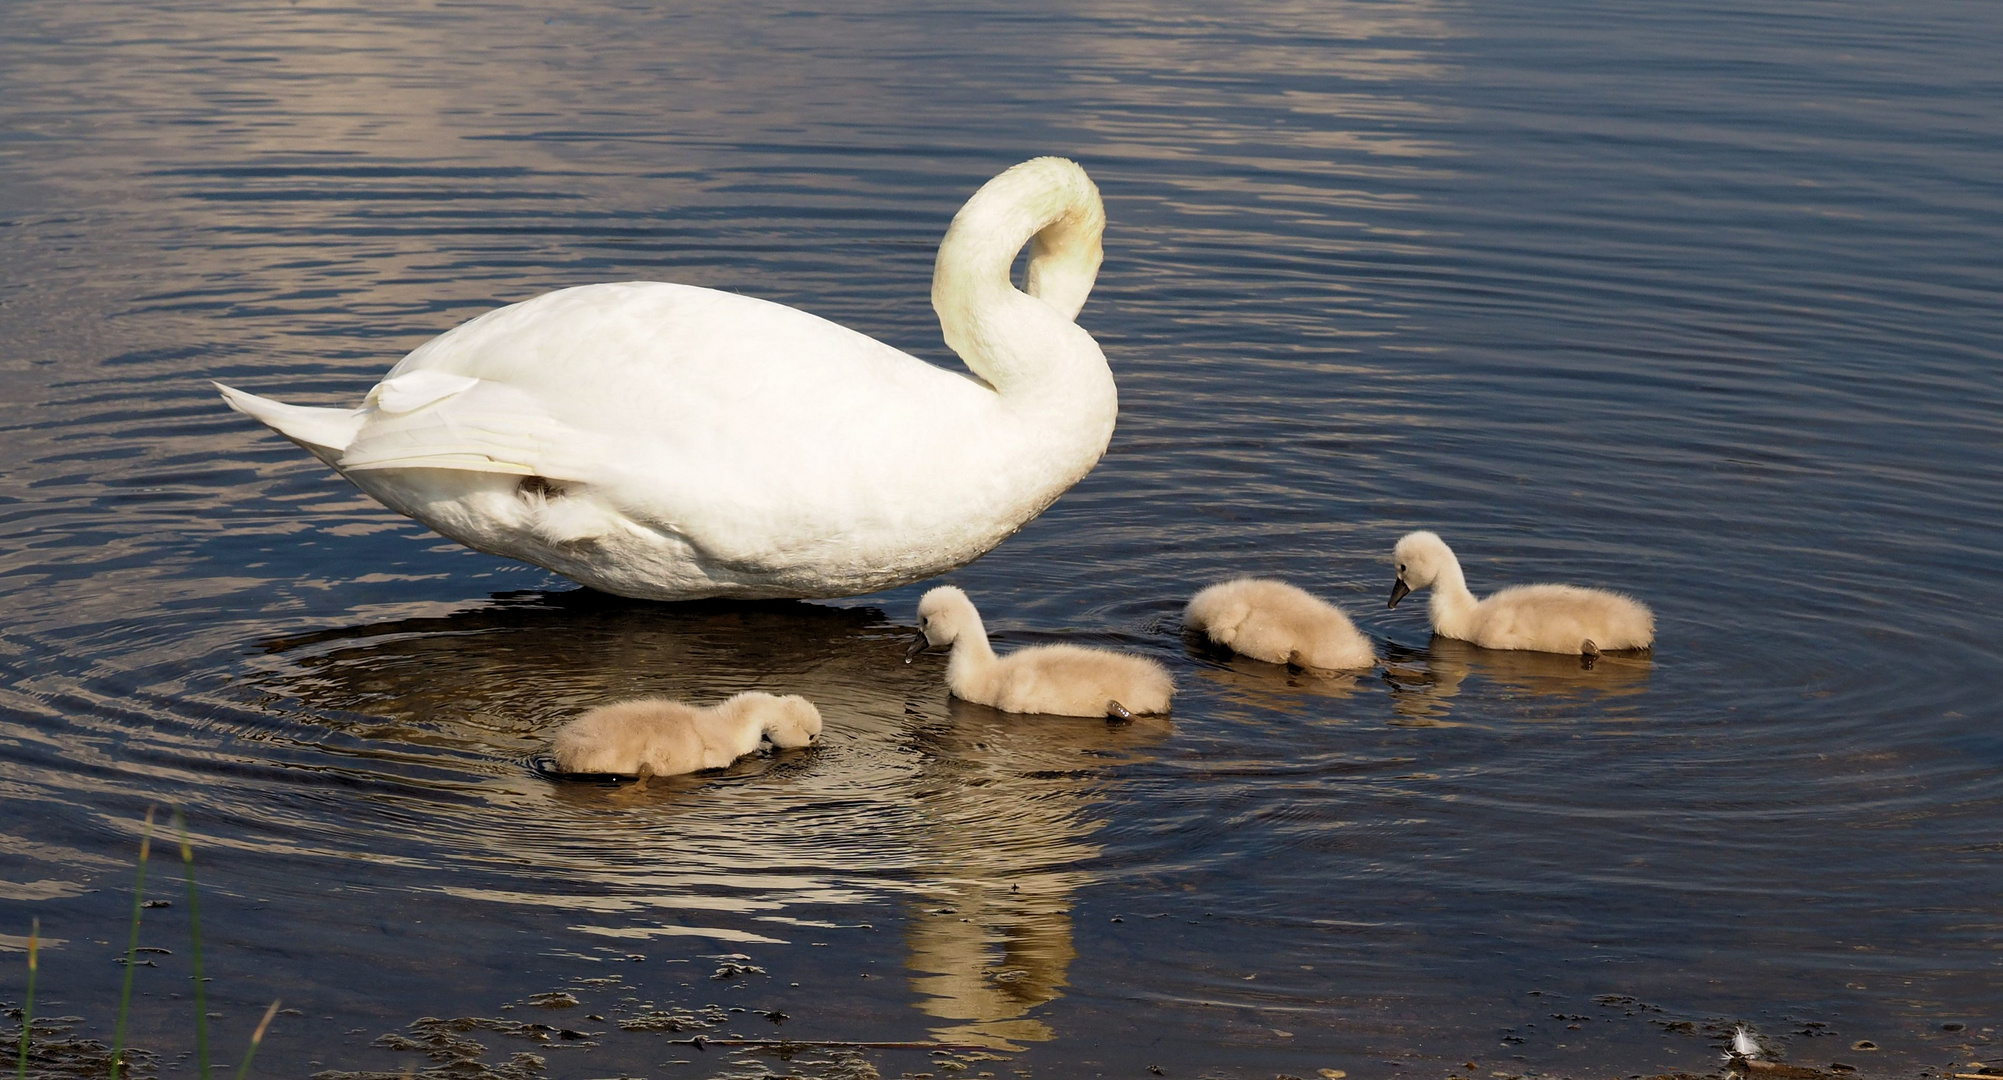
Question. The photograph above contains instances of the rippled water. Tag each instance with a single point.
(1699, 301)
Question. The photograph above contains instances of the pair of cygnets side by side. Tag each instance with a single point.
(1276, 622)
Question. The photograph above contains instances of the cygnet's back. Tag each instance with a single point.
(658, 737)
(1280, 624)
(1074, 680)
(1560, 618)
(651, 735)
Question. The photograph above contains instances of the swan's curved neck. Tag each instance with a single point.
(1451, 605)
(1009, 338)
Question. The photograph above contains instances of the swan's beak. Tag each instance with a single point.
(1399, 591)
(918, 645)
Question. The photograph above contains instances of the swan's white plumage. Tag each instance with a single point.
(413, 391)
(1066, 680)
(720, 445)
(659, 737)
(1280, 624)
(1540, 618)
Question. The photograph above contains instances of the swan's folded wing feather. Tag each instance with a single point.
(413, 390)
(484, 426)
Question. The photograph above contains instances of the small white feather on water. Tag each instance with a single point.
(1743, 1044)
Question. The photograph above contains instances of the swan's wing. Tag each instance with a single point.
(705, 398)
(435, 420)
(695, 366)
(414, 390)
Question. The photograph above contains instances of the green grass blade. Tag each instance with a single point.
(28, 1010)
(132, 947)
(195, 936)
(256, 1037)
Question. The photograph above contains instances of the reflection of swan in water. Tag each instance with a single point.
(1007, 833)
(1245, 681)
(1424, 682)
(910, 797)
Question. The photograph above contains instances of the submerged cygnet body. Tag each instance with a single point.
(658, 737)
(1068, 680)
(1280, 624)
(1540, 618)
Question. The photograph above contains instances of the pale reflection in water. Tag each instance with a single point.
(1425, 683)
(977, 822)
(1281, 688)
(1006, 834)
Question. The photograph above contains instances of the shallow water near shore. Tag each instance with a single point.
(1697, 302)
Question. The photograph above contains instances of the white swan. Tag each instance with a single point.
(1540, 618)
(669, 442)
(1068, 680)
(658, 737)
(1280, 624)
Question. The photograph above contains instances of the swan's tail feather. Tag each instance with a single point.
(325, 433)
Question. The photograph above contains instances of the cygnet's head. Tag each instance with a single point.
(943, 615)
(788, 722)
(1419, 558)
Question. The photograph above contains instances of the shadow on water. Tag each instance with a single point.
(977, 821)
(498, 677)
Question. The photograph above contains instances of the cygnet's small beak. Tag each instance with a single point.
(1399, 591)
(918, 645)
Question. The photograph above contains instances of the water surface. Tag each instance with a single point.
(1694, 301)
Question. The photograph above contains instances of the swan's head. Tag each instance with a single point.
(788, 722)
(1419, 559)
(943, 615)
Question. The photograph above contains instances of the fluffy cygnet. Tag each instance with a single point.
(1280, 624)
(1540, 618)
(658, 737)
(1068, 680)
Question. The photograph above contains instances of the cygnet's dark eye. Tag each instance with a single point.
(1401, 568)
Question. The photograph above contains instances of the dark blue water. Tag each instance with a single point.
(1695, 301)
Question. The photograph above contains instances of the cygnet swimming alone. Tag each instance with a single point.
(1068, 680)
(1280, 624)
(658, 737)
(1540, 618)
